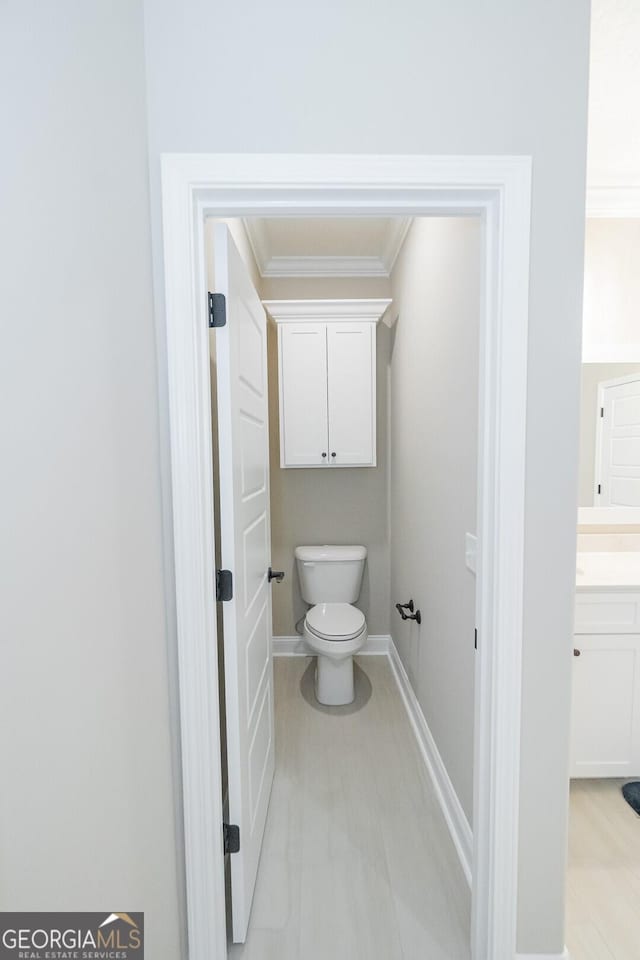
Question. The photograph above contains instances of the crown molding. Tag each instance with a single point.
(257, 237)
(397, 233)
(286, 311)
(311, 266)
(325, 267)
(622, 201)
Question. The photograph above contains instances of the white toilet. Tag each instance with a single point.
(330, 579)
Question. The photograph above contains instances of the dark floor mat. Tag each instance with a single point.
(631, 793)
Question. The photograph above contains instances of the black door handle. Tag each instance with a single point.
(277, 575)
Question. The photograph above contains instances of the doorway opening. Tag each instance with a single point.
(496, 190)
(350, 462)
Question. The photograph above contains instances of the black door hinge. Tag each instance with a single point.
(224, 585)
(475, 639)
(599, 488)
(217, 310)
(231, 837)
(602, 411)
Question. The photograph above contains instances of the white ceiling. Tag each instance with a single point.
(326, 246)
(614, 95)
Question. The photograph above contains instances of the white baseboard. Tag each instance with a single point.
(289, 647)
(450, 804)
(377, 644)
(544, 956)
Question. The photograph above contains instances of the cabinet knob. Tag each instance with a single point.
(576, 652)
(333, 454)
(324, 454)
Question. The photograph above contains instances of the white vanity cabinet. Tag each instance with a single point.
(605, 720)
(327, 381)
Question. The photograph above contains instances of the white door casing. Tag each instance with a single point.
(618, 443)
(241, 352)
(497, 188)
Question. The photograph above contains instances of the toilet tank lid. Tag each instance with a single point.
(328, 553)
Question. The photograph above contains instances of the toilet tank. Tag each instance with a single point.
(330, 574)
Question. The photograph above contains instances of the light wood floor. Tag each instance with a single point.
(603, 880)
(357, 863)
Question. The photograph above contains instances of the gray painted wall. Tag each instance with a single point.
(87, 802)
(443, 78)
(434, 433)
(592, 375)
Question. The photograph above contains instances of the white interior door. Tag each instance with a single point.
(303, 394)
(619, 444)
(352, 393)
(241, 352)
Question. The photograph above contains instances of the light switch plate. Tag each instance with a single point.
(470, 551)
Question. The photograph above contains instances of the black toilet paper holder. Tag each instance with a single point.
(402, 607)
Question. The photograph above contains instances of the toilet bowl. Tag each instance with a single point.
(334, 629)
(335, 632)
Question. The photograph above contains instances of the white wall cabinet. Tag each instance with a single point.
(605, 720)
(327, 381)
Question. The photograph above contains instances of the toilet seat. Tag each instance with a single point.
(334, 632)
(335, 622)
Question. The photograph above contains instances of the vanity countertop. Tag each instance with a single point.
(618, 570)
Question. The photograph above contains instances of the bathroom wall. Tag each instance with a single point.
(330, 506)
(611, 329)
(434, 430)
(592, 375)
(319, 288)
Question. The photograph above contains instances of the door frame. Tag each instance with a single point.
(603, 386)
(497, 189)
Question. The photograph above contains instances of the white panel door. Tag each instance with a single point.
(605, 714)
(303, 394)
(241, 350)
(620, 444)
(352, 393)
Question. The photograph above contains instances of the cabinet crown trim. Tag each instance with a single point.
(328, 311)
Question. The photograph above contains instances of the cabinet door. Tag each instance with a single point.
(352, 394)
(605, 721)
(303, 395)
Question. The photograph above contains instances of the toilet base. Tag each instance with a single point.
(334, 686)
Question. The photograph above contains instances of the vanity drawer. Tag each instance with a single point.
(597, 612)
